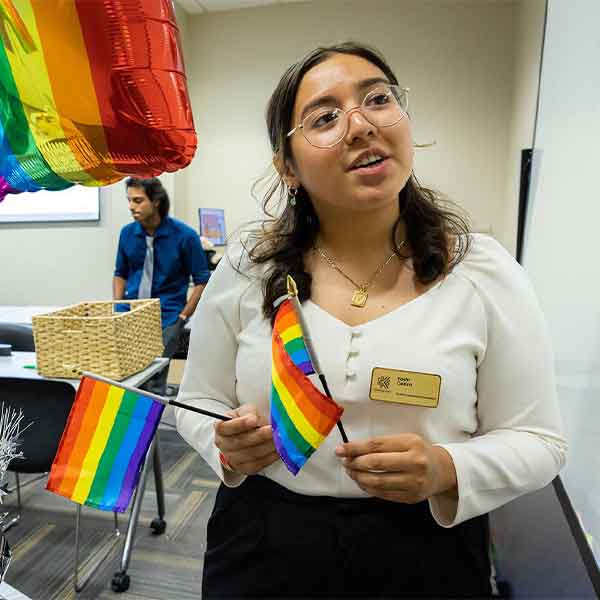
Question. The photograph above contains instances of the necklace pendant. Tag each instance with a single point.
(359, 298)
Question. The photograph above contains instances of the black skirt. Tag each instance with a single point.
(265, 541)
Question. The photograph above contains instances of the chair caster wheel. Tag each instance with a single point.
(158, 526)
(120, 582)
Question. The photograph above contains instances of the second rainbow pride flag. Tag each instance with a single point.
(103, 447)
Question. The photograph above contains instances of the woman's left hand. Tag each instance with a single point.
(401, 468)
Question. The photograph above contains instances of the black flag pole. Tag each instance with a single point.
(158, 398)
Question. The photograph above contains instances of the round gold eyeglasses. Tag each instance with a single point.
(326, 126)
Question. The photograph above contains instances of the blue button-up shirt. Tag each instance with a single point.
(178, 255)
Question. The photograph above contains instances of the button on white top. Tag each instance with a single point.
(356, 333)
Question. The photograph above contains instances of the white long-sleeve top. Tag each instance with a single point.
(480, 329)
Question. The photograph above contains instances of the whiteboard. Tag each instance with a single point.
(562, 238)
(76, 203)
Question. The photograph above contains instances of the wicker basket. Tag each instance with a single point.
(92, 337)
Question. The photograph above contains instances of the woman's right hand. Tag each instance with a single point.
(246, 441)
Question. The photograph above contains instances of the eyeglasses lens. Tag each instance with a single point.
(383, 107)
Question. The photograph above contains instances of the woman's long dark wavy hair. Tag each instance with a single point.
(436, 231)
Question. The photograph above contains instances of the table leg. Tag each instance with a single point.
(135, 511)
(120, 581)
(159, 524)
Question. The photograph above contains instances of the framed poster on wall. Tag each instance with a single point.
(212, 225)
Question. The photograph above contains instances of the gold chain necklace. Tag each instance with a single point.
(361, 294)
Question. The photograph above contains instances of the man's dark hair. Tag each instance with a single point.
(154, 190)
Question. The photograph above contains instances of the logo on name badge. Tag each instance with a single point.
(405, 387)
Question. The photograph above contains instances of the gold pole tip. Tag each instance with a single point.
(292, 288)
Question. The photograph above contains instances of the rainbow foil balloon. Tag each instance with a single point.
(90, 91)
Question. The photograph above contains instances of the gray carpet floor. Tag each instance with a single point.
(167, 566)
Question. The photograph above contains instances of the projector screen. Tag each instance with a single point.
(76, 203)
(561, 251)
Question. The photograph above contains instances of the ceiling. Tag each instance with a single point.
(200, 7)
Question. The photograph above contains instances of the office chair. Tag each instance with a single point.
(19, 336)
(45, 406)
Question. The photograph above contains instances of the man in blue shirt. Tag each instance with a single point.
(156, 258)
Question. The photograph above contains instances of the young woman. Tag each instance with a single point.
(395, 293)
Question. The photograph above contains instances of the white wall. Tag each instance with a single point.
(529, 34)
(461, 59)
(561, 238)
(64, 263)
(178, 193)
(456, 56)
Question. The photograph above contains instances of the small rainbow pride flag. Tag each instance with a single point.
(103, 447)
(301, 416)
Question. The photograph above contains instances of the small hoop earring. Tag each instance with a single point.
(292, 193)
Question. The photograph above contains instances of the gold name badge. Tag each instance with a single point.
(405, 387)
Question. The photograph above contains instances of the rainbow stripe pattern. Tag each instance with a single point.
(90, 91)
(301, 416)
(103, 446)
